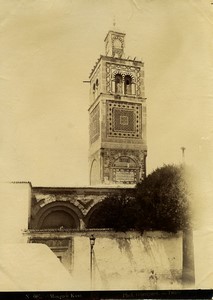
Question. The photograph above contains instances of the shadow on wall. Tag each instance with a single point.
(152, 261)
(102, 274)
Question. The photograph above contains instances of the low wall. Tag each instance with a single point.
(121, 261)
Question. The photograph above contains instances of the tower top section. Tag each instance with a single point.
(115, 44)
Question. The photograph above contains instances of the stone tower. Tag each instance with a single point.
(117, 152)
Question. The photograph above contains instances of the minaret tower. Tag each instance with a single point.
(118, 149)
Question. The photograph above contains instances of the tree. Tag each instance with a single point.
(160, 202)
(163, 198)
(118, 212)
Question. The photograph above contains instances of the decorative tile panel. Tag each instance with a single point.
(125, 166)
(94, 124)
(123, 120)
(124, 176)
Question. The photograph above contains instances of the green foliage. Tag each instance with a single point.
(160, 202)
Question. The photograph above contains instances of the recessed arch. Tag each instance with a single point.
(128, 85)
(94, 173)
(60, 209)
(118, 83)
(125, 162)
(58, 218)
(91, 214)
(123, 82)
(93, 90)
(118, 43)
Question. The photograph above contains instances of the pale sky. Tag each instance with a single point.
(48, 49)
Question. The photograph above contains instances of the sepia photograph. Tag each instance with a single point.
(106, 130)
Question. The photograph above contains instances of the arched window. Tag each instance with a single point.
(128, 85)
(118, 83)
(96, 83)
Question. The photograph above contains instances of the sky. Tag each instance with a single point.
(48, 48)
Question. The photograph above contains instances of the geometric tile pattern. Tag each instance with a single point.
(94, 124)
(123, 119)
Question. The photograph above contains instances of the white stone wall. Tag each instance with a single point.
(123, 261)
(15, 201)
